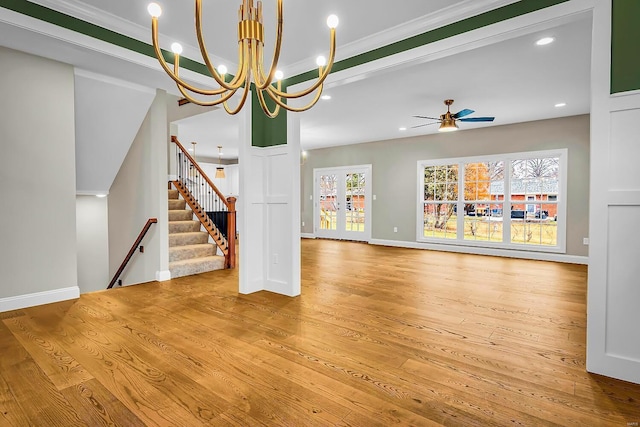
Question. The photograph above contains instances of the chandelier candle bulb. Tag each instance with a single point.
(154, 10)
(176, 48)
(250, 63)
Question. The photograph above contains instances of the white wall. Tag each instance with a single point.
(229, 185)
(37, 171)
(108, 115)
(93, 243)
(139, 192)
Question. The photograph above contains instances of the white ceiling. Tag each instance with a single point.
(511, 78)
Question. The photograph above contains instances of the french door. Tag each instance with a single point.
(342, 203)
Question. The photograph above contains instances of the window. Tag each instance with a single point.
(440, 196)
(511, 201)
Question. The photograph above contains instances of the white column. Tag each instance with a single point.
(270, 214)
(613, 338)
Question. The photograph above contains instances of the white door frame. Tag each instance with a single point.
(367, 169)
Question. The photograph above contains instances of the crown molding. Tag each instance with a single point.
(99, 17)
(423, 24)
(16, 21)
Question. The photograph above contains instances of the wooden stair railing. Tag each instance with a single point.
(135, 246)
(203, 196)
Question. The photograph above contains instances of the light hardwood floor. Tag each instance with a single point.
(380, 337)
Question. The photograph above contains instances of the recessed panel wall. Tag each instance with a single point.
(625, 150)
(623, 283)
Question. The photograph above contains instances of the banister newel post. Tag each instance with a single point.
(231, 232)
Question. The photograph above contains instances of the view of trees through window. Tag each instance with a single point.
(527, 188)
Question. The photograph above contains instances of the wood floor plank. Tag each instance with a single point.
(96, 406)
(11, 413)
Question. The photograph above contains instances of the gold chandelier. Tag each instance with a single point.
(250, 62)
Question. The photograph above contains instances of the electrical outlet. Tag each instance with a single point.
(395, 229)
(310, 197)
(303, 223)
(275, 258)
(585, 241)
(374, 197)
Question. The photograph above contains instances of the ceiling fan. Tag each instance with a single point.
(448, 121)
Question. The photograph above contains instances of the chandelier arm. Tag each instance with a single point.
(263, 104)
(223, 98)
(236, 82)
(247, 85)
(277, 99)
(175, 76)
(322, 74)
(258, 71)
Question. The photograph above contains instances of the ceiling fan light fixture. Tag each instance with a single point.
(448, 125)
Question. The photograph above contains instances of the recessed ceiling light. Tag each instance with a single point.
(561, 104)
(101, 195)
(402, 128)
(326, 97)
(544, 41)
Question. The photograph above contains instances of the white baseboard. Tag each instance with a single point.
(163, 276)
(39, 298)
(307, 235)
(279, 287)
(539, 256)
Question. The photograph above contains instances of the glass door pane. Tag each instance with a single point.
(328, 201)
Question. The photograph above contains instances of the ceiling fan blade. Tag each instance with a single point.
(426, 124)
(425, 117)
(477, 119)
(462, 113)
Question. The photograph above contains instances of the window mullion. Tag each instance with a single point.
(460, 204)
(506, 208)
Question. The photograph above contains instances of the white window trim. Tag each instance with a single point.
(562, 155)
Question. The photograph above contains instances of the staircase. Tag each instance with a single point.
(189, 249)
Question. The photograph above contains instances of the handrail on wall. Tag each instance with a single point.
(132, 251)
